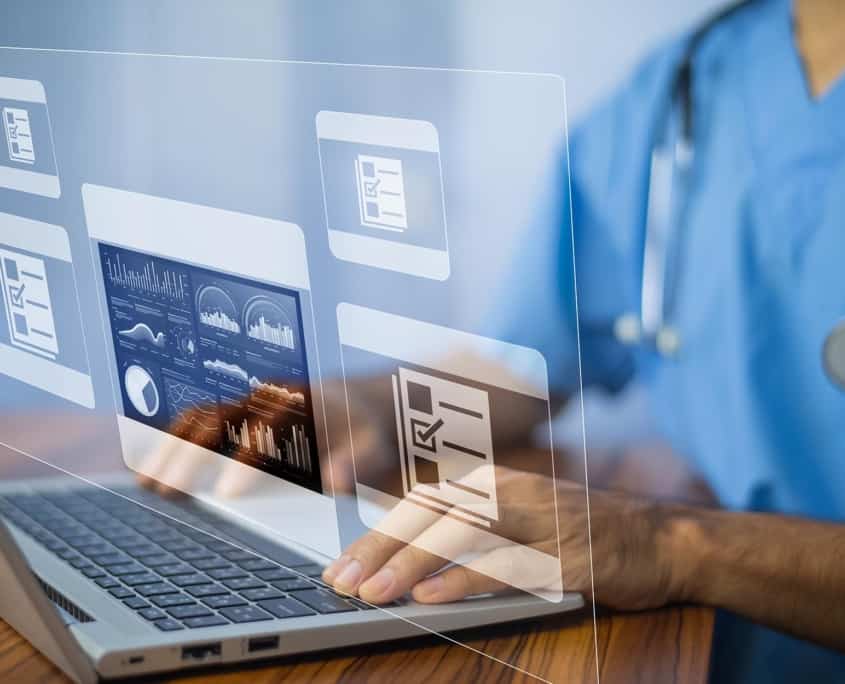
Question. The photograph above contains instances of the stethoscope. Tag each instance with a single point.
(670, 166)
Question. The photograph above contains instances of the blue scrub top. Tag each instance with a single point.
(762, 279)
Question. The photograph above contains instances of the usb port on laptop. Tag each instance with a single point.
(265, 643)
(201, 651)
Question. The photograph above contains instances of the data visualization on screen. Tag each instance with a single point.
(212, 358)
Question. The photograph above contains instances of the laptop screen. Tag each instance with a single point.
(213, 358)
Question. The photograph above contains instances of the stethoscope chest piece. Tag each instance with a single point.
(833, 355)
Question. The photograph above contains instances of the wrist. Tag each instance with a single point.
(685, 547)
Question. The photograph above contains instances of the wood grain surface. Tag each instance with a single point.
(669, 645)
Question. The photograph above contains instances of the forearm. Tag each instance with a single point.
(784, 572)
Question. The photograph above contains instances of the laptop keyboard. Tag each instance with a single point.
(173, 576)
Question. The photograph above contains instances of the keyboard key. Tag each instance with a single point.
(167, 625)
(136, 602)
(324, 601)
(276, 573)
(285, 607)
(91, 550)
(156, 589)
(174, 569)
(140, 578)
(79, 562)
(80, 540)
(261, 594)
(210, 563)
(107, 582)
(152, 614)
(165, 535)
(220, 546)
(174, 543)
(125, 569)
(209, 621)
(224, 601)
(181, 612)
(110, 558)
(143, 550)
(130, 543)
(312, 569)
(257, 564)
(227, 573)
(121, 592)
(237, 555)
(54, 545)
(297, 584)
(241, 614)
(194, 553)
(159, 559)
(243, 583)
(189, 580)
(198, 536)
(169, 600)
(93, 572)
(206, 590)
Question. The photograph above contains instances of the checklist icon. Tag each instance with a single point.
(444, 434)
(18, 135)
(381, 192)
(29, 310)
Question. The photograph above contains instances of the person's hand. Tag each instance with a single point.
(633, 565)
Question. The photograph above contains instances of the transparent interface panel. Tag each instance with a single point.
(450, 485)
(290, 341)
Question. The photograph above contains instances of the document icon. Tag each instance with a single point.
(29, 311)
(18, 135)
(381, 192)
(444, 434)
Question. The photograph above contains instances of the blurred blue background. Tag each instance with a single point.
(592, 44)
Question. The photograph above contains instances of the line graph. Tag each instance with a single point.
(230, 370)
(193, 407)
(141, 332)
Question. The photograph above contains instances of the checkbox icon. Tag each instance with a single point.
(424, 433)
(16, 295)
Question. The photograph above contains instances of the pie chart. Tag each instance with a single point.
(141, 390)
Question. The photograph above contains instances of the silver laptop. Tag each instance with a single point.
(139, 592)
(141, 584)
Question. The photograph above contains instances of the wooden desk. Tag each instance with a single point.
(671, 645)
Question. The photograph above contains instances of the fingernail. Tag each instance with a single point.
(351, 575)
(379, 584)
(428, 589)
(332, 571)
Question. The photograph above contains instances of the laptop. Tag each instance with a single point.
(120, 581)
(114, 589)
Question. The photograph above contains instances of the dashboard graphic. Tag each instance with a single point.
(141, 390)
(140, 275)
(217, 310)
(214, 358)
(267, 322)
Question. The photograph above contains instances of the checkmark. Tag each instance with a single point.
(17, 295)
(371, 189)
(426, 435)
